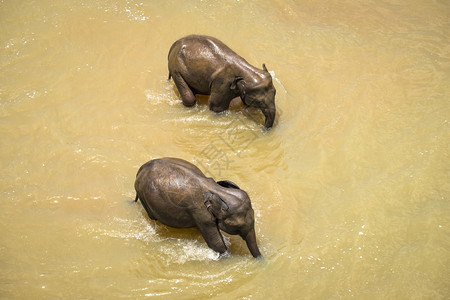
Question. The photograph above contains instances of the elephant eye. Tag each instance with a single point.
(231, 222)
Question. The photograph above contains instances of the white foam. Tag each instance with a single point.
(272, 73)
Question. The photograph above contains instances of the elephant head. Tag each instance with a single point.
(234, 214)
(258, 91)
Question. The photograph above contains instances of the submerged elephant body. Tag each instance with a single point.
(204, 65)
(178, 194)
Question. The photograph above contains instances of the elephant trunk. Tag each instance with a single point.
(270, 116)
(250, 239)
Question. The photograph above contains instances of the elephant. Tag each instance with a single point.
(176, 193)
(204, 65)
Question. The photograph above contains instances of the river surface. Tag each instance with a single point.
(351, 187)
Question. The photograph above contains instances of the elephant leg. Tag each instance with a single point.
(220, 99)
(185, 91)
(213, 237)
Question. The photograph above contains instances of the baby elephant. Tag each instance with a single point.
(204, 65)
(176, 193)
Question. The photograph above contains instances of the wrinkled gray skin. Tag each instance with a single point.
(176, 193)
(204, 65)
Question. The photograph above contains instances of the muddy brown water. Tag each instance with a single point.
(351, 187)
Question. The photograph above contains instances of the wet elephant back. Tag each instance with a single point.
(177, 162)
(171, 189)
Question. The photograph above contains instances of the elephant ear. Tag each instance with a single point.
(239, 83)
(215, 205)
(228, 184)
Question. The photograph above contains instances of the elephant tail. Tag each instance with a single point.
(137, 198)
(170, 76)
(132, 201)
